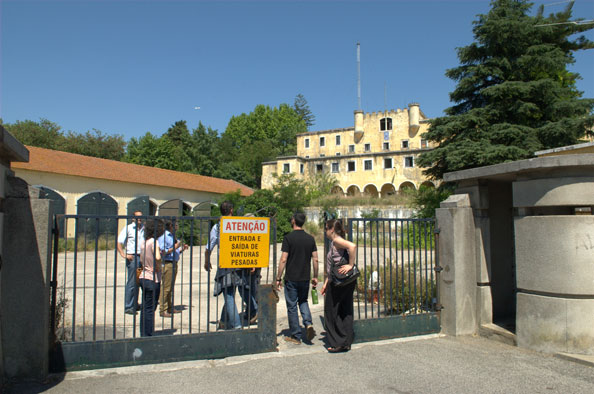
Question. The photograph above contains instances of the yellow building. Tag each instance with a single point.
(376, 157)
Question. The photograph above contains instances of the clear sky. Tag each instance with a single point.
(129, 67)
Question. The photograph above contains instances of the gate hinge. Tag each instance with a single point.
(436, 230)
(54, 231)
(438, 268)
(53, 283)
(438, 307)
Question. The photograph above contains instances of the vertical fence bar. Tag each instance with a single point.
(390, 273)
(54, 278)
(95, 280)
(358, 294)
(115, 279)
(192, 221)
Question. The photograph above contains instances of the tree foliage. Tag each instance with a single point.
(514, 94)
(301, 106)
(47, 134)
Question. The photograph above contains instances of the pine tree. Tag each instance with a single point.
(302, 108)
(514, 94)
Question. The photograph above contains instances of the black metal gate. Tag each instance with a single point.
(90, 327)
(397, 293)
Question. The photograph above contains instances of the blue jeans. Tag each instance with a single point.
(131, 290)
(229, 314)
(296, 294)
(150, 299)
(248, 293)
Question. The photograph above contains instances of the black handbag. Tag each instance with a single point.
(341, 280)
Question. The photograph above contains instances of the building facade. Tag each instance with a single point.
(376, 157)
(88, 185)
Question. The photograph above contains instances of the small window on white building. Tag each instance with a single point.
(409, 161)
(306, 143)
(337, 153)
(386, 146)
(301, 168)
(404, 144)
(286, 168)
(351, 148)
(334, 167)
(322, 155)
(424, 143)
(385, 124)
(368, 165)
(322, 141)
(337, 140)
(307, 157)
(367, 147)
(388, 162)
(351, 166)
(319, 167)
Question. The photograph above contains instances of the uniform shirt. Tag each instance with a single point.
(128, 236)
(300, 246)
(167, 242)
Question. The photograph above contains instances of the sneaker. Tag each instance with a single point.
(165, 314)
(293, 340)
(130, 311)
(310, 333)
(254, 319)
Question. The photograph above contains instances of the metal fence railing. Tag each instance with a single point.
(398, 261)
(89, 279)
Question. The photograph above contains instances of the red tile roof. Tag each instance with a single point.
(56, 162)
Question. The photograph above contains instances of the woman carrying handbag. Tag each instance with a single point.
(338, 301)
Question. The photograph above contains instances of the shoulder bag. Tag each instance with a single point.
(339, 279)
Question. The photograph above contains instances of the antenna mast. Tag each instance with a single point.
(358, 76)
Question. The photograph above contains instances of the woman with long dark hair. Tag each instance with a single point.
(150, 279)
(338, 301)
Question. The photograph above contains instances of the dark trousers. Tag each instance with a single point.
(338, 315)
(150, 299)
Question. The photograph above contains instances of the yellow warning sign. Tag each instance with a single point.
(244, 242)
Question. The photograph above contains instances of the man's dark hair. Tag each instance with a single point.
(226, 208)
(154, 228)
(299, 218)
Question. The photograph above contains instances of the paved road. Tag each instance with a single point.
(431, 364)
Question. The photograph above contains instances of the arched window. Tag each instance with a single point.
(97, 204)
(385, 124)
(142, 204)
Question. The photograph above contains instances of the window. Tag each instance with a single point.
(337, 153)
(322, 141)
(307, 157)
(334, 167)
(368, 165)
(367, 147)
(319, 167)
(404, 144)
(350, 166)
(386, 146)
(385, 124)
(306, 143)
(322, 155)
(337, 140)
(351, 148)
(286, 168)
(388, 163)
(424, 144)
(301, 168)
(409, 161)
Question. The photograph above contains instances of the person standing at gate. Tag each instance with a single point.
(226, 279)
(171, 250)
(150, 278)
(298, 249)
(129, 241)
(338, 301)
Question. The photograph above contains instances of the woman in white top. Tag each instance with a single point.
(150, 278)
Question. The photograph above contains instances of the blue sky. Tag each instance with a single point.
(129, 67)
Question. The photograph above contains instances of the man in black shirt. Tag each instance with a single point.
(299, 248)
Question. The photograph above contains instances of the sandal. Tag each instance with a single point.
(339, 349)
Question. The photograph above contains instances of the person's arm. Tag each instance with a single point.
(122, 241)
(351, 248)
(314, 262)
(212, 242)
(207, 265)
(281, 269)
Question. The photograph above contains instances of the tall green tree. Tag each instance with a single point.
(514, 94)
(301, 106)
(259, 136)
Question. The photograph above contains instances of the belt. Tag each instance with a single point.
(168, 261)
